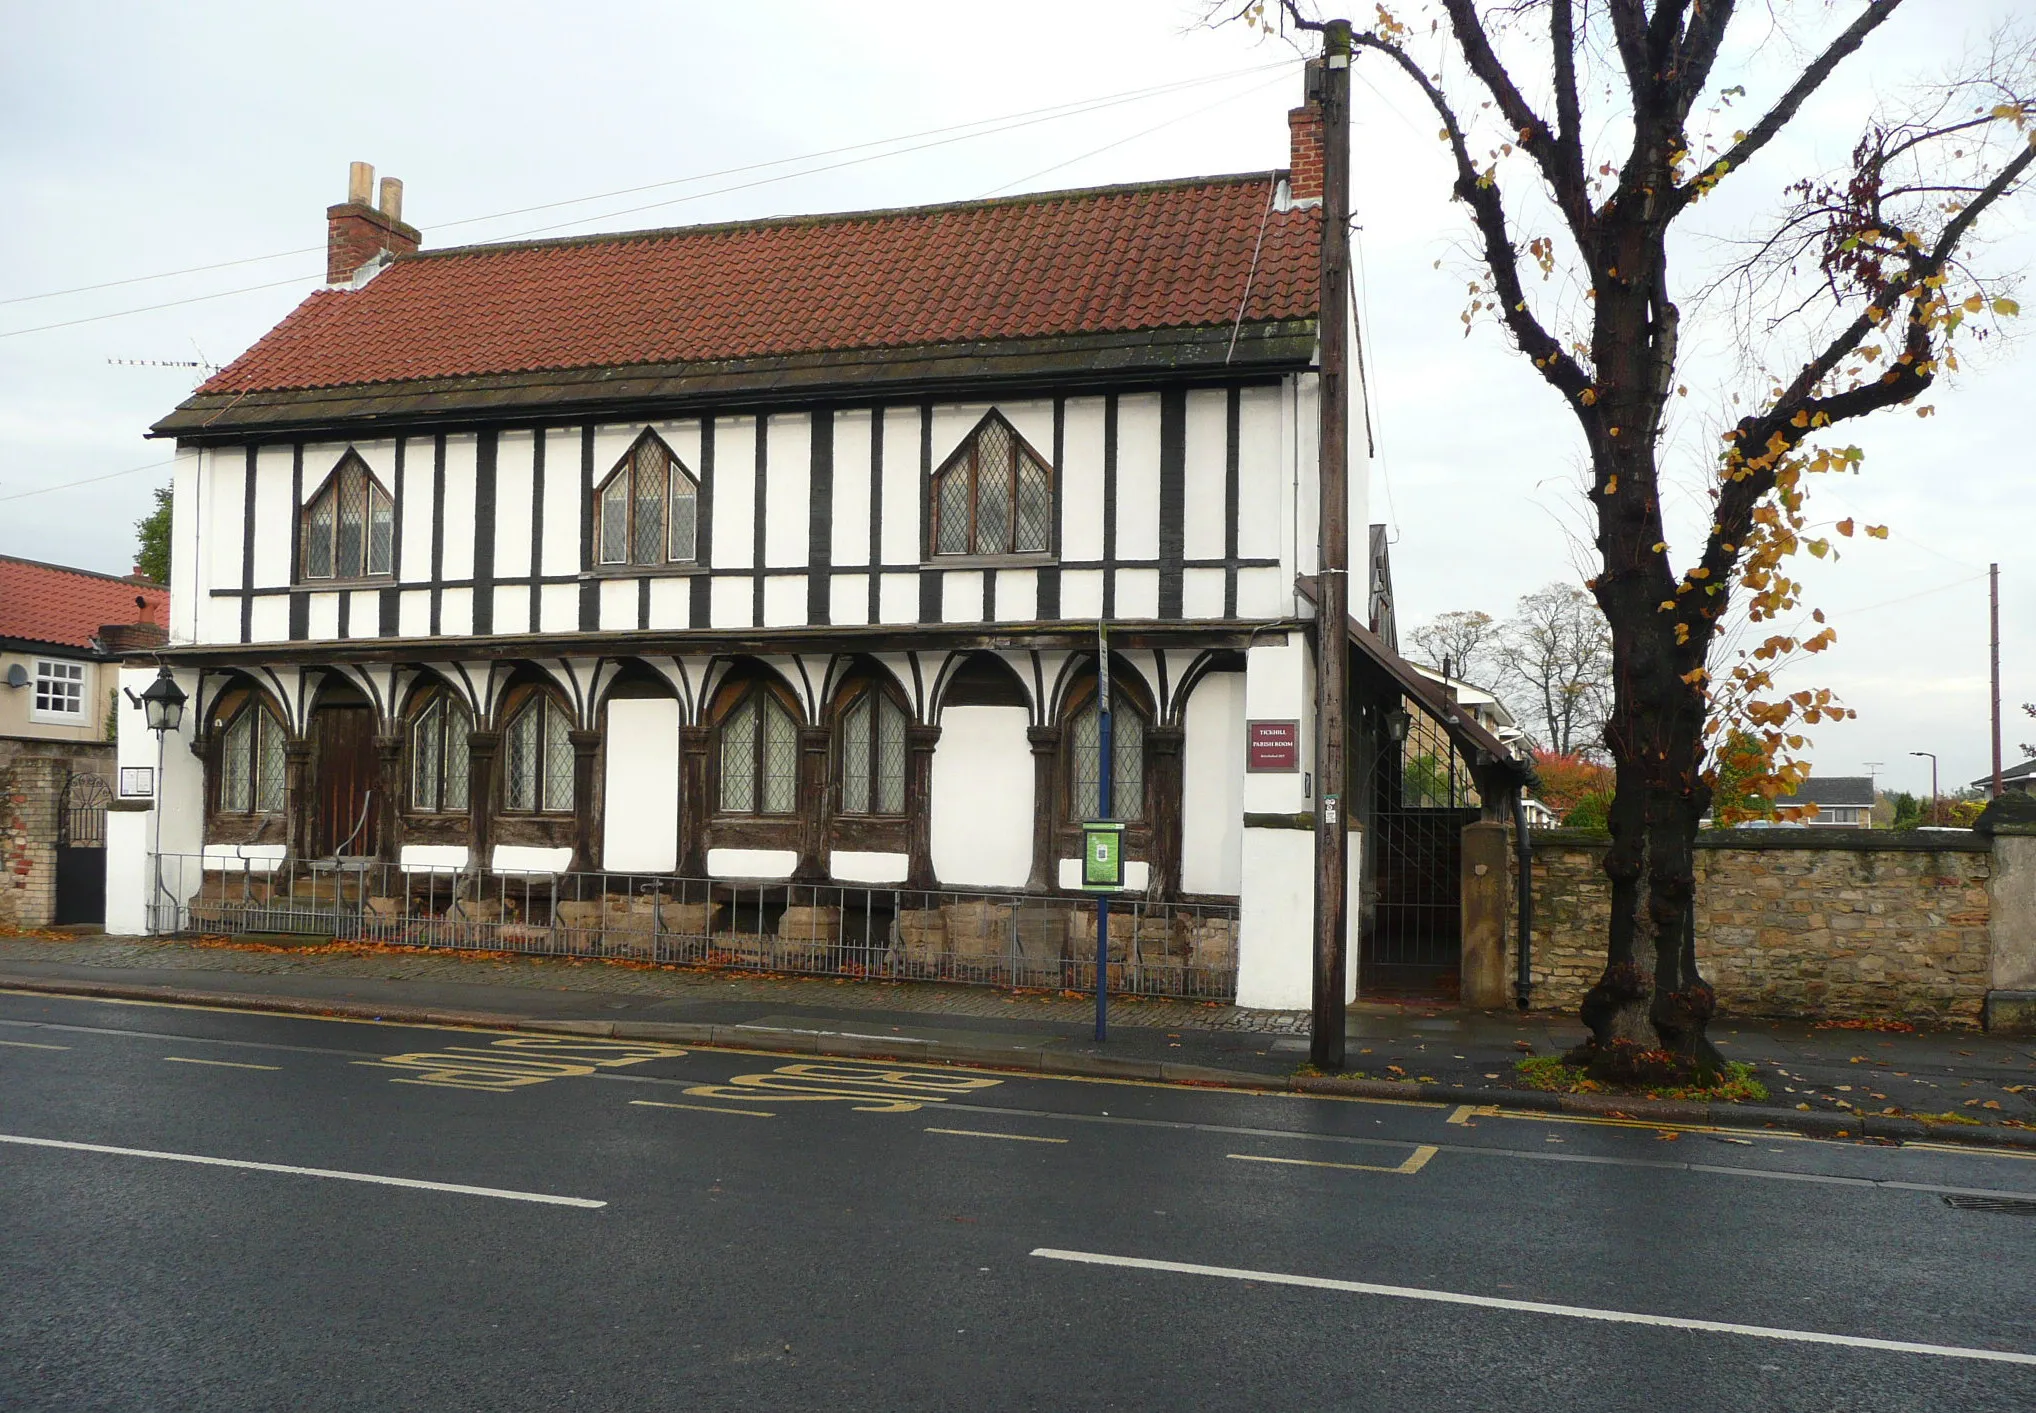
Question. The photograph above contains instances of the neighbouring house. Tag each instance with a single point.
(2013, 777)
(739, 586)
(1842, 802)
(63, 632)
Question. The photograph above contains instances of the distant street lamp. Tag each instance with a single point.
(1933, 781)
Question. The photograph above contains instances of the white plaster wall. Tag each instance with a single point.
(513, 453)
(731, 603)
(460, 453)
(1081, 593)
(617, 604)
(1263, 473)
(456, 610)
(751, 863)
(1137, 876)
(788, 493)
(1081, 480)
(982, 797)
(191, 494)
(561, 513)
(848, 596)
(512, 609)
(1137, 593)
(1204, 480)
(273, 511)
(558, 606)
(901, 494)
(1303, 499)
(671, 603)
(1212, 796)
(734, 498)
(413, 613)
(849, 533)
(961, 596)
(528, 859)
(1279, 685)
(1275, 942)
(271, 618)
(784, 600)
(432, 858)
(131, 837)
(366, 614)
(1202, 593)
(219, 543)
(1138, 481)
(898, 600)
(854, 866)
(641, 786)
(1017, 595)
(322, 617)
(413, 545)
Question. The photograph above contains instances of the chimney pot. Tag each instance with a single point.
(360, 183)
(358, 232)
(392, 198)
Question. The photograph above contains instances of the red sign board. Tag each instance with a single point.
(1272, 745)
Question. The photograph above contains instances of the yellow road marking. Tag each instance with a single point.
(1416, 1161)
(1462, 1114)
(1493, 1111)
(31, 1045)
(1966, 1150)
(984, 1133)
(700, 1108)
(223, 1064)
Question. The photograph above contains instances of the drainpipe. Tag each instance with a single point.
(1523, 850)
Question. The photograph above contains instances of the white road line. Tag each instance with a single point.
(31, 1045)
(458, 1187)
(1416, 1161)
(1537, 1307)
(697, 1108)
(223, 1064)
(985, 1133)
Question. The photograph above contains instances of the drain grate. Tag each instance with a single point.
(2021, 1206)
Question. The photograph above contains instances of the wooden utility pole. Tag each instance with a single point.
(1332, 599)
(1994, 648)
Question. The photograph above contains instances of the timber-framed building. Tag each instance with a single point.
(772, 554)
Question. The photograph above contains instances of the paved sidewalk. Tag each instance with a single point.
(1821, 1079)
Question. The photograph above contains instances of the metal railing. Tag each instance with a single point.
(1013, 940)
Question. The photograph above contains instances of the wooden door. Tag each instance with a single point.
(344, 789)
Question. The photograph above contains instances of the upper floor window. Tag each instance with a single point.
(349, 526)
(537, 758)
(1085, 762)
(438, 757)
(993, 496)
(649, 509)
(59, 692)
(251, 763)
(870, 745)
(759, 754)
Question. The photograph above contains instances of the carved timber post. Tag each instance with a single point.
(482, 747)
(388, 797)
(693, 804)
(296, 799)
(586, 745)
(1163, 795)
(920, 741)
(812, 805)
(1045, 806)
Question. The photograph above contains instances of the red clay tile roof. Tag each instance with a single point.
(47, 603)
(1111, 259)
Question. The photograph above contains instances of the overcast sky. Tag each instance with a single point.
(145, 138)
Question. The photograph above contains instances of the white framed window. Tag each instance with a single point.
(59, 693)
(994, 495)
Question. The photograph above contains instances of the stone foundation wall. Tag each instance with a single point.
(1789, 923)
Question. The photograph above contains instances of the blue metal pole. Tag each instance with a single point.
(1106, 769)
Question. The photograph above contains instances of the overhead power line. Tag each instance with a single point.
(89, 480)
(1072, 108)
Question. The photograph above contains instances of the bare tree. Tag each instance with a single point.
(1463, 642)
(1555, 656)
(1577, 138)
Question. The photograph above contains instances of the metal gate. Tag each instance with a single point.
(1412, 939)
(81, 850)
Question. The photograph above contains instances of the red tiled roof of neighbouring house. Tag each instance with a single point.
(1108, 260)
(48, 603)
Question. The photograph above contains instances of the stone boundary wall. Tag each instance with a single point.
(1845, 923)
(31, 789)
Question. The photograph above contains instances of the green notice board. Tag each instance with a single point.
(1102, 854)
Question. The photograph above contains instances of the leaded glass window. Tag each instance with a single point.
(648, 509)
(350, 526)
(993, 496)
(872, 752)
(251, 772)
(438, 758)
(1085, 763)
(759, 756)
(537, 758)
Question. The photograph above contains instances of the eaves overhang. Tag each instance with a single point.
(1007, 366)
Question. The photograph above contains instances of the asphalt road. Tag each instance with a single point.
(404, 1217)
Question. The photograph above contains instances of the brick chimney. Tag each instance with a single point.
(358, 231)
(1304, 132)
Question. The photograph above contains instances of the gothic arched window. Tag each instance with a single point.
(993, 496)
(350, 525)
(759, 754)
(537, 757)
(438, 757)
(251, 762)
(648, 509)
(869, 747)
(1084, 738)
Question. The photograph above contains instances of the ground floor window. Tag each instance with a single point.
(759, 756)
(537, 766)
(251, 764)
(1085, 763)
(439, 759)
